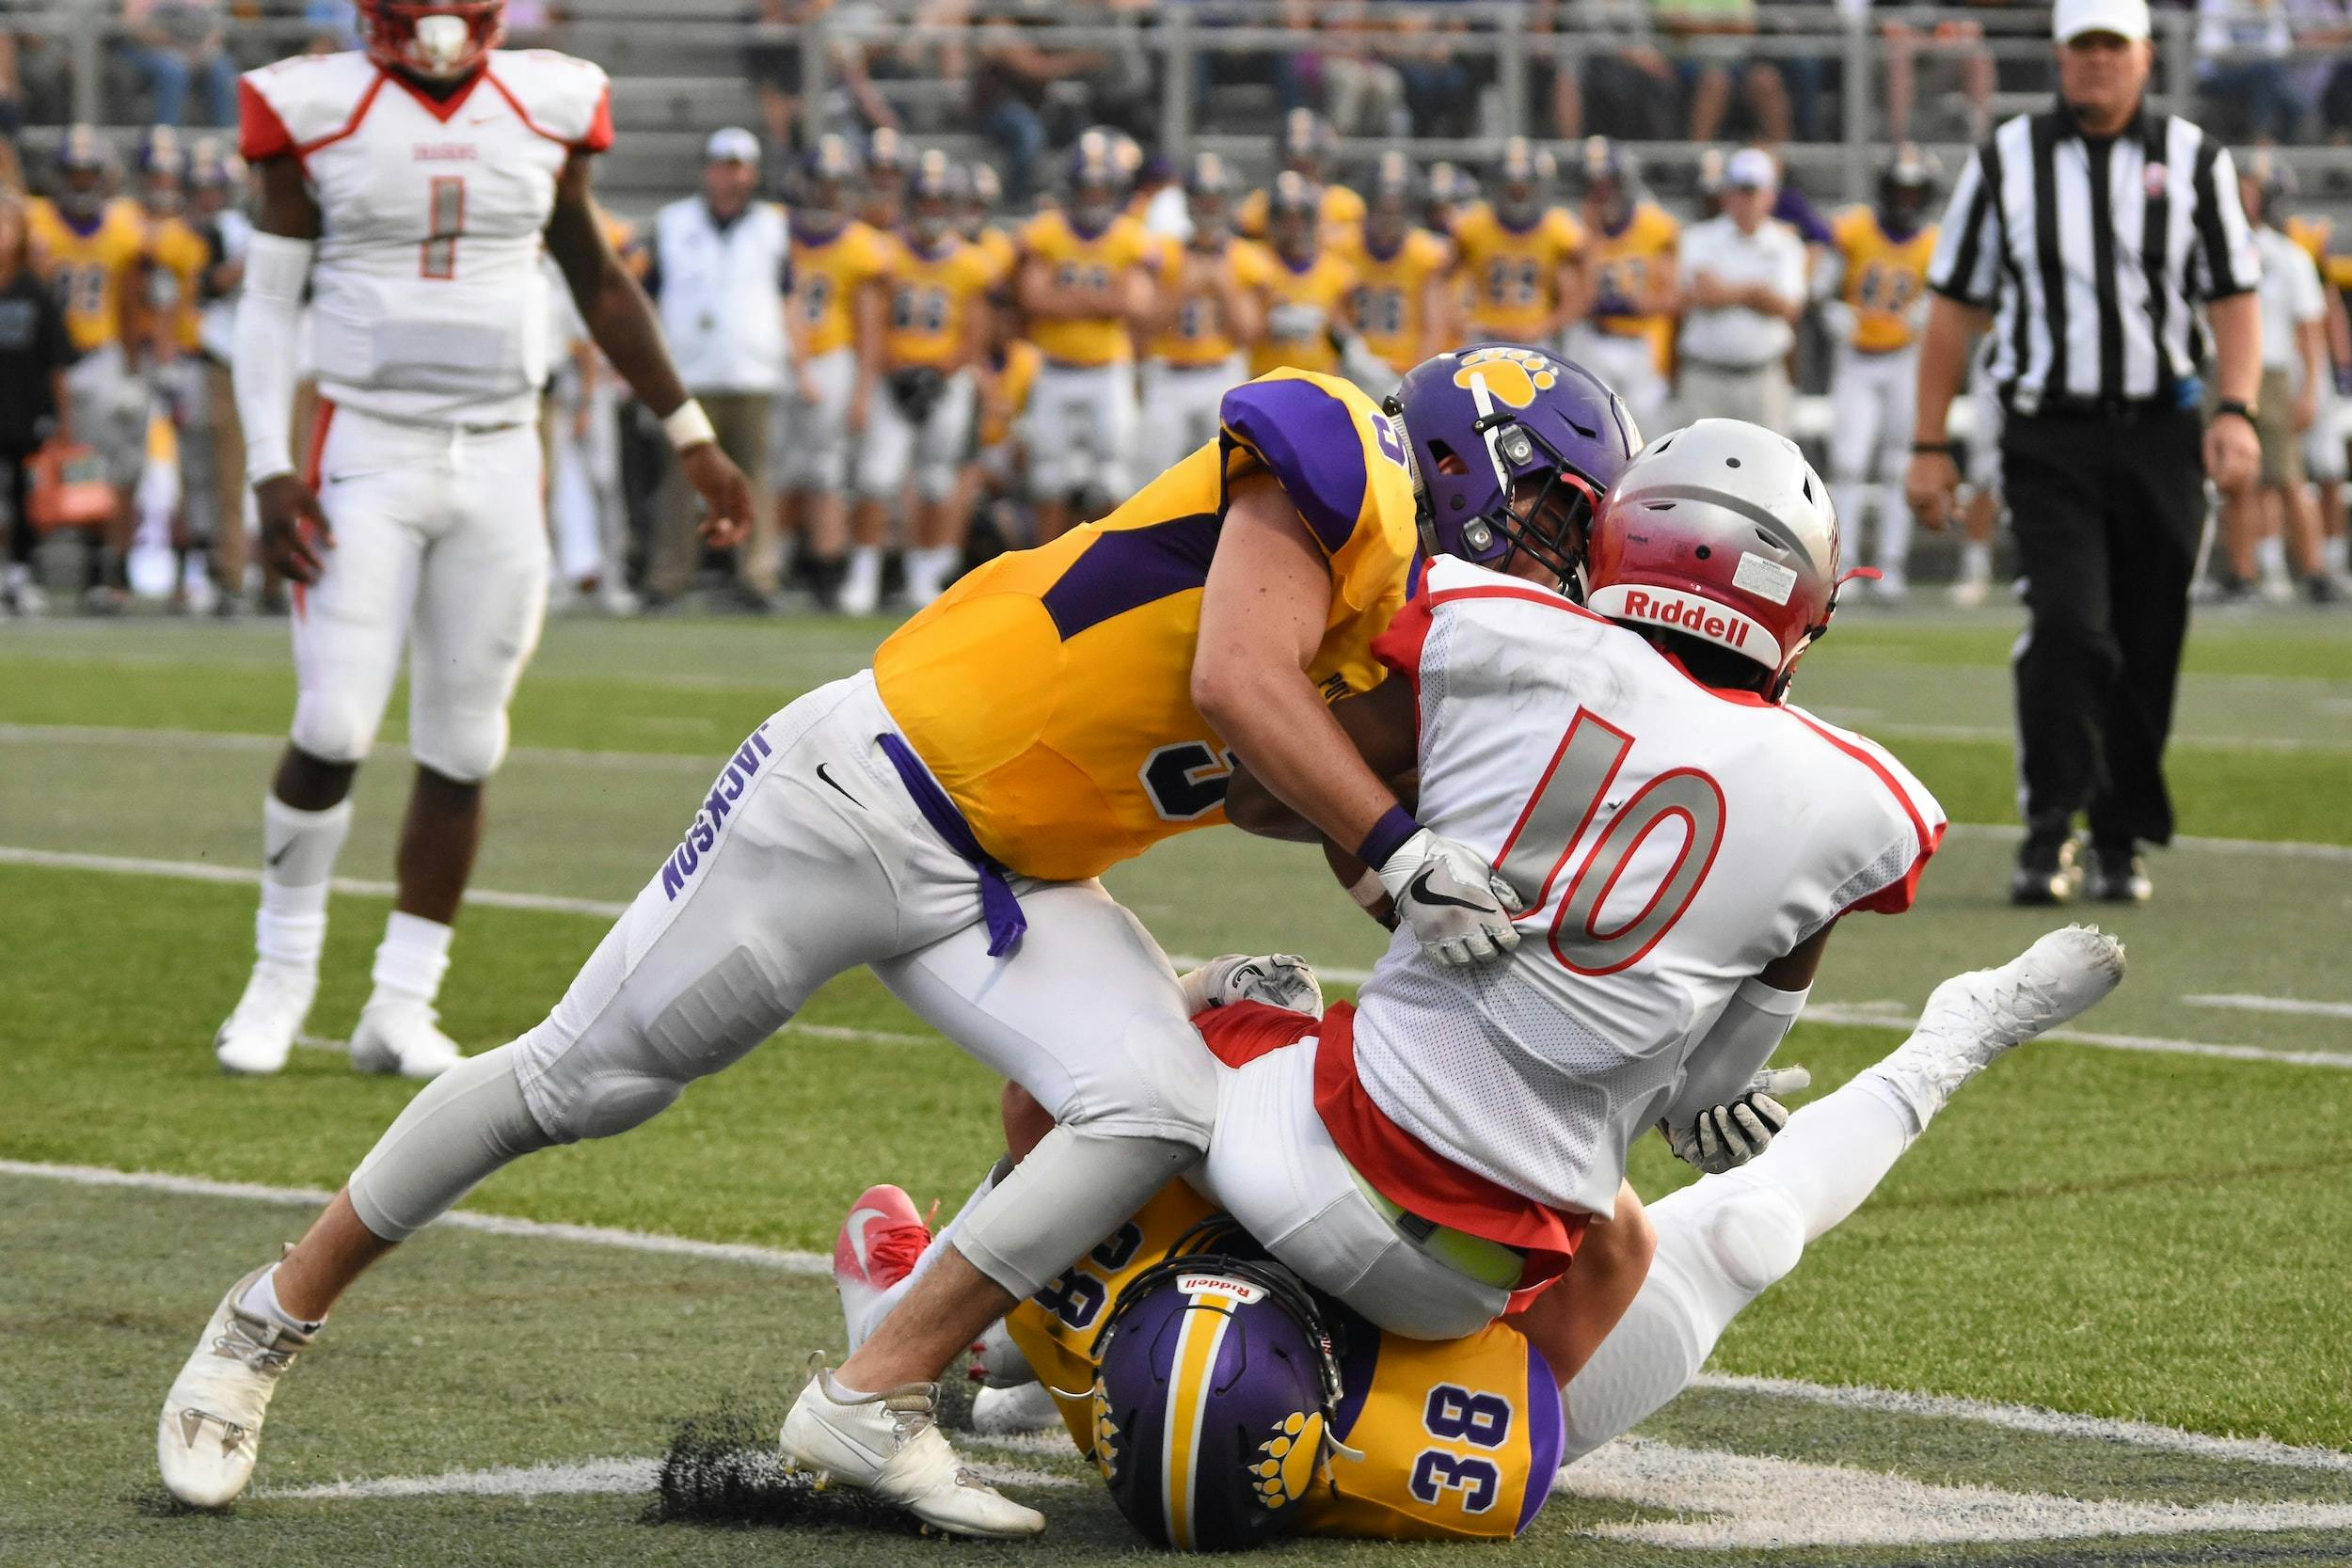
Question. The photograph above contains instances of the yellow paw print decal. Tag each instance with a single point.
(1105, 1451)
(1513, 376)
(1292, 1455)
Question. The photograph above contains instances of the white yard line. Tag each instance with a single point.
(1880, 1015)
(1883, 733)
(2295, 1007)
(1744, 1501)
(204, 871)
(238, 741)
(2023, 1418)
(625, 1477)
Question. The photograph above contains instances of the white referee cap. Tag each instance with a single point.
(733, 145)
(1752, 168)
(2125, 19)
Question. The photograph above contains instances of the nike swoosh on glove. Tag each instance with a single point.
(1731, 1135)
(1457, 906)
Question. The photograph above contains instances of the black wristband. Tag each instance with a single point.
(1930, 448)
(2243, 409)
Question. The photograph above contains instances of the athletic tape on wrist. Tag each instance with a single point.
(687, 425)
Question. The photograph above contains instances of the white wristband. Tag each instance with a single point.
(688, 427)
(1367, 892)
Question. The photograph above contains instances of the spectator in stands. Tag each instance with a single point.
(772, 60)
(1957, 39)
(1709, 44)
(334, 23)
(1010, 76)
(1630, 92)
(2242, 50)
(1743, 287)
(1441, 85)
(34, 351)
(176, 44)
(11, 91)
(1364, 92)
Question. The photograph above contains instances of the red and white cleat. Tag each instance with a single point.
(880, 1244)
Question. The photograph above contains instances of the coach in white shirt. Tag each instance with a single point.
(721, 272)
(1743, 287)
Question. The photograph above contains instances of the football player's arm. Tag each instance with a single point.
(1728, 1111)
(1135, 292)
(293, 529)
(1244, 312)
(621, 320)
(1383, 727)
(869, 312)
(1829, 278)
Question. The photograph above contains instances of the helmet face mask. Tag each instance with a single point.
(434, 40)
(1906, 191)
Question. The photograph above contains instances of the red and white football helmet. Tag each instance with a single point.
(442, 39)
(1721, 531)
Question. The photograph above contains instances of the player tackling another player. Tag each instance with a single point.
(407, 190)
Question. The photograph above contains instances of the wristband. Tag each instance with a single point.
(1387, 837)
(687, 425)
(2243, 409)
(1930, 448)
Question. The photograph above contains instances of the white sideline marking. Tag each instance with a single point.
(815, 1031)
(2273, 1005)
(1741, 1501)
(553, 1480)
(2270, 848)
(2023, 1418)
(239, 740)
(1880, 1015)
(2028, 1417)
(203, 871)
(461, 1219)
(2201, 742)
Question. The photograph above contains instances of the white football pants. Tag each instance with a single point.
(809, 443)
(1872, 398)
(1629, 367)
(1081, 431)
(1182, 410)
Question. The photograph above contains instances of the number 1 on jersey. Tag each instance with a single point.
(1571, 794)
(446, 220)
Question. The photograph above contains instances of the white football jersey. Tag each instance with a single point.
(1670, 840)
(429, 301)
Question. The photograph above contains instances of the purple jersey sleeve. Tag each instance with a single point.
(1309, 440)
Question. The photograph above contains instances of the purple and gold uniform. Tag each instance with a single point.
(1460, 1439)
(1050, 692)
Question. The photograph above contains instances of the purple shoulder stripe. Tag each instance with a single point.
(1546, 1436)
(1127, 568)
(1309, 441)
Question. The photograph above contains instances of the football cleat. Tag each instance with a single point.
(399, 1033)
(880, 1244)
(260, 1033)
(211, 1430)
(1014, 1412)
(1278, 979)
(2118, 876)
(997, 1362)
(2046, 873)
(1973, 1019)
(889, 1445)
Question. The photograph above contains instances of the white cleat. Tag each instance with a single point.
(1973, 1019)
(1014, 1412)
(889, 1445)
(211, 1430)
(268, 1016)
(400, 1035)
(1969, 593)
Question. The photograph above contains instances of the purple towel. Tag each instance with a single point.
(1006, 922)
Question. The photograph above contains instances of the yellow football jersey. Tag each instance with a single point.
(1303, 303)
(931, 300)
(86, 266)
(1094, 261)
(177, 248)
(1198, 334)
(1050, 692)
(1460, 1439)
(1885, 278)
(1625, 264)
(1014, 379)
(1390, 292)
(1341, 222)
(1513, 274)
(1001, 253)
(827, 272)
(2314, 235)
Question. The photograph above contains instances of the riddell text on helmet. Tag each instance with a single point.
(1689, 614)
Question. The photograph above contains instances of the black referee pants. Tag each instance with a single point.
(2107, 515)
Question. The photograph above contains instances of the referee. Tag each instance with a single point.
(2085, 237)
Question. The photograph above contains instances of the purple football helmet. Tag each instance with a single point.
(1478, 420)
(1214, 1402)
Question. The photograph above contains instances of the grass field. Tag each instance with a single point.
(2141, 1226)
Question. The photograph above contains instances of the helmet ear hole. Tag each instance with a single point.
(1448, 460)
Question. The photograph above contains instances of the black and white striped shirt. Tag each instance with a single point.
(2092, 254)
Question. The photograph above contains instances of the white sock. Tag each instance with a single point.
(411, 959)
(928, 569)
(1976, 561)
(861, 1324)
(260, 1299)
(298, 850)
(1723, 1240)
(1894, 530)
(16, 575)
(2270, 559)
(864, 567)
(1852, 496)
(2335, 555)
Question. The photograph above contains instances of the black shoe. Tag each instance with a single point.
(2116, 876)
(2045, 873)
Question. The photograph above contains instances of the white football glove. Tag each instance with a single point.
(1457, 906)
(1276, 979)
(1731, 1135)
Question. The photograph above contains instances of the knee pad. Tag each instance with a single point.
(464, 745)
(332, 728)
(613, 1102)
(1749, 1237)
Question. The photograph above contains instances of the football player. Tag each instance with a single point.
(1226, 1404)
(215, 458)
(417, 517)
(983, 192)
(841, 308)
(1628, 341)
(1306, 291)
(933, 350)
(1518, 254)
(1306, 146)
(887, 162)
(1872, 289)
(1449, 191)
(1084, 282)
(89, 244)
(1208, 308)
(1399, 304)
(945, 827)
(170, 290)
